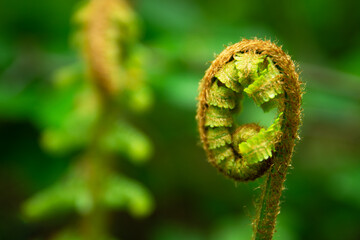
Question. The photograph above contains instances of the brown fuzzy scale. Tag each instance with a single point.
(96, 43)
(289, 104)
(103, 66)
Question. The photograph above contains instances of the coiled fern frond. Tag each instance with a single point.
(267, 75)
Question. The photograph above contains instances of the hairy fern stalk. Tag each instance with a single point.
(267, 75)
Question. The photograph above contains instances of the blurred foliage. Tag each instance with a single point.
(322, 200)
(80, 121)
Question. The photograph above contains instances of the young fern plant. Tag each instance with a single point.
(105, 87)
(267, 75)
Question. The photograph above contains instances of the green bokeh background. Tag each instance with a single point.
(193, 201)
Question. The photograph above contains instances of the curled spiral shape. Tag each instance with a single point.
(266, 74)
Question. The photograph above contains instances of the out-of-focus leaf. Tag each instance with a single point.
(139, 99)
(72, 193)
(62, 197)
(75, 130)
(123, 138)
(121, 192)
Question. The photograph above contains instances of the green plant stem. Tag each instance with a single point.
(97, 164)
(93, 225)
(269, 205)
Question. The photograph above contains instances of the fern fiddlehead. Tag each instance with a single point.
(266, 74)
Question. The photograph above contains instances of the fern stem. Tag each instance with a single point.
(270, 205)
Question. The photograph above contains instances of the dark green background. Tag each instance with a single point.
(193, 201)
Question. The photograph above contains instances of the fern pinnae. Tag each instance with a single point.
(266, 74)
